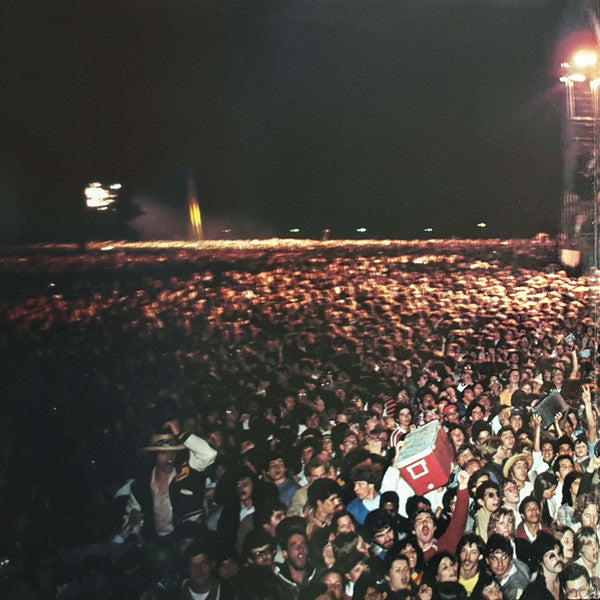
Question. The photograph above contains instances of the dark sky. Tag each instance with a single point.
(394, 115)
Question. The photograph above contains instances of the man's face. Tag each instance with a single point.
(404, 418)
(296, 553)
(424, 528)
(384, 538)
(500, 563)
(589, 516)
(345, 525)
(363, 490)
(531, 513)
(547, 452)
(469, 556)
(399, 575)
(578, 589)
(165, 461)
(519, 470)
(331, 504)
(510, 492)
(552, 561)
(335, 585)
(261, 556)
(277, 469)
(317, 473)
(201, 568)
(447, 570)
(564, 467)
(516, 422)
(581, 450)
(244, 489)
(491, 500)
(565, 449)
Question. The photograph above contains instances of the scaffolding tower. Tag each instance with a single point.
(579, 223)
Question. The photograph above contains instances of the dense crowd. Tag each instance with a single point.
(230, 427)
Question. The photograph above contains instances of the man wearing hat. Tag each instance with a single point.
(516, 469)
(166, 495)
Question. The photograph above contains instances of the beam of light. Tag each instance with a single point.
(194, 208)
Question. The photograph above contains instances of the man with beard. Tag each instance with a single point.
(547, 555)
(379, 530)
(295, 573)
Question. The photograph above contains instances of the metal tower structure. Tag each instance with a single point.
(579, 226)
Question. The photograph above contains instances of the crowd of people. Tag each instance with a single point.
(231, 429)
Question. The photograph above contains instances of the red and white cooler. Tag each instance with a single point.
(425, 461)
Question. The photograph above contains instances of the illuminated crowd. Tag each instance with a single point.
(227, 426)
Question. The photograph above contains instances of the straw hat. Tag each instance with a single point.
(508, 465)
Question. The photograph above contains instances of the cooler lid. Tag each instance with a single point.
(419, 442)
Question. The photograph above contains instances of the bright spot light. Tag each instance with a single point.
(577, 77)
(361, 230)
(585, 58)
(99, 197)
(481, 225)
(428, 229)
(226, 231)
(294, 230)
(115, 186)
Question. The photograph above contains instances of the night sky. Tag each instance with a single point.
(394, 115)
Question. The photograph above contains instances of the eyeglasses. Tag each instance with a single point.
(267, 552)
(576, 593)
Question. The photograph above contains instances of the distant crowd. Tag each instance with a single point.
(231, 428)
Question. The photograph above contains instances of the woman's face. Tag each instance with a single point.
(567, 544)
(589, 551)
(575, 488)
(411, 554)
(505, 526)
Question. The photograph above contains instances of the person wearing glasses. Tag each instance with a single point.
(259, 549)
(487, 497)
(575, 583)
(547, 557)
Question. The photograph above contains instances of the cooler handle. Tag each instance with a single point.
(421, 465)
